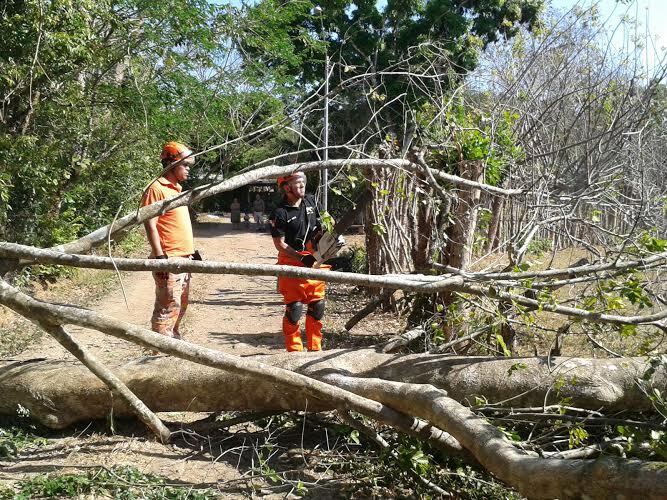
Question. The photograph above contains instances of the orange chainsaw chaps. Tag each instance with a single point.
(299, 289)
(313, 333)
(304, 291)
(292, 334)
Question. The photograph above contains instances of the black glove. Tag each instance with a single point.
(308, 260)
(196, 255)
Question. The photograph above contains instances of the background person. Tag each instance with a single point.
(235, 213)
(258, 211)
(295, 227)
(170, 237)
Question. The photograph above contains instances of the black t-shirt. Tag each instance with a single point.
(297, 224)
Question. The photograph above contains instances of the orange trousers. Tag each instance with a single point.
(307, 292)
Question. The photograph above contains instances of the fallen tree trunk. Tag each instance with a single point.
(535, 477)
(343, 380)
(171, 383)
(60, 393)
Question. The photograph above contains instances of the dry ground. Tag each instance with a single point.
(236, 314)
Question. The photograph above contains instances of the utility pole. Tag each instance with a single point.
(325, 172)
(317, 11)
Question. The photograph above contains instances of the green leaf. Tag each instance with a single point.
(516, 367)
(628, 331)
(327, 221)
(578, 436)
(379, 228)
(480, 401)
(501, 343)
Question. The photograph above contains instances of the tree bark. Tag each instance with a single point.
(60, 393)
(493, 235)
(459, 250)
(137, 406)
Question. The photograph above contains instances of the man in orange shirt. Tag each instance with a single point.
(170, 237)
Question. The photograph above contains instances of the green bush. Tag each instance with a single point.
(353, 259)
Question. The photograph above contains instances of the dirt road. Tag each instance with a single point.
(235, 314)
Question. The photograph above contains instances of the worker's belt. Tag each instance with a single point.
(192, 256)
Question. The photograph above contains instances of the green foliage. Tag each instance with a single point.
(473, 137)
(353, 437)
(538, 246)
(411, 456)
(577, 436)
(643, 443)
(651, 243)
(633, 290)
(353, 259)
(93, 89)
(13, 439)
(379, 228)
(119, 482)
(474, 485)
(286, 44)
(501, 343)
(344, 190)
(130, 244)
(327, 221)
(510, 434)
(516, 367)
(658, 399)
(280, 39)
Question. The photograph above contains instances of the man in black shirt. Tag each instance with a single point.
(296, 227)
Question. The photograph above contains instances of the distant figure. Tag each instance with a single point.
(246, 220)
(235, 216)
(170, 237)
(258, 211)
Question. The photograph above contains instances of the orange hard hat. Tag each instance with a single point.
(173, 151)
(286, 178)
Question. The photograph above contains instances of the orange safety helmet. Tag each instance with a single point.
(286, 178)
(174, 151)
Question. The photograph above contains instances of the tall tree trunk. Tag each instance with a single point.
(462, 232)
(424, 223)
(493, 235)
(459, 251)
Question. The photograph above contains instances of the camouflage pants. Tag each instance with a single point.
(171, 301)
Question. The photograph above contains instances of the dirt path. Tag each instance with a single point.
(236, 314)
(231, 313)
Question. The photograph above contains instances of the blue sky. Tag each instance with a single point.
(651, 27)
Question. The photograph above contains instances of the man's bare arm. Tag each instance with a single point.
(153, 237)
(282, 247)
